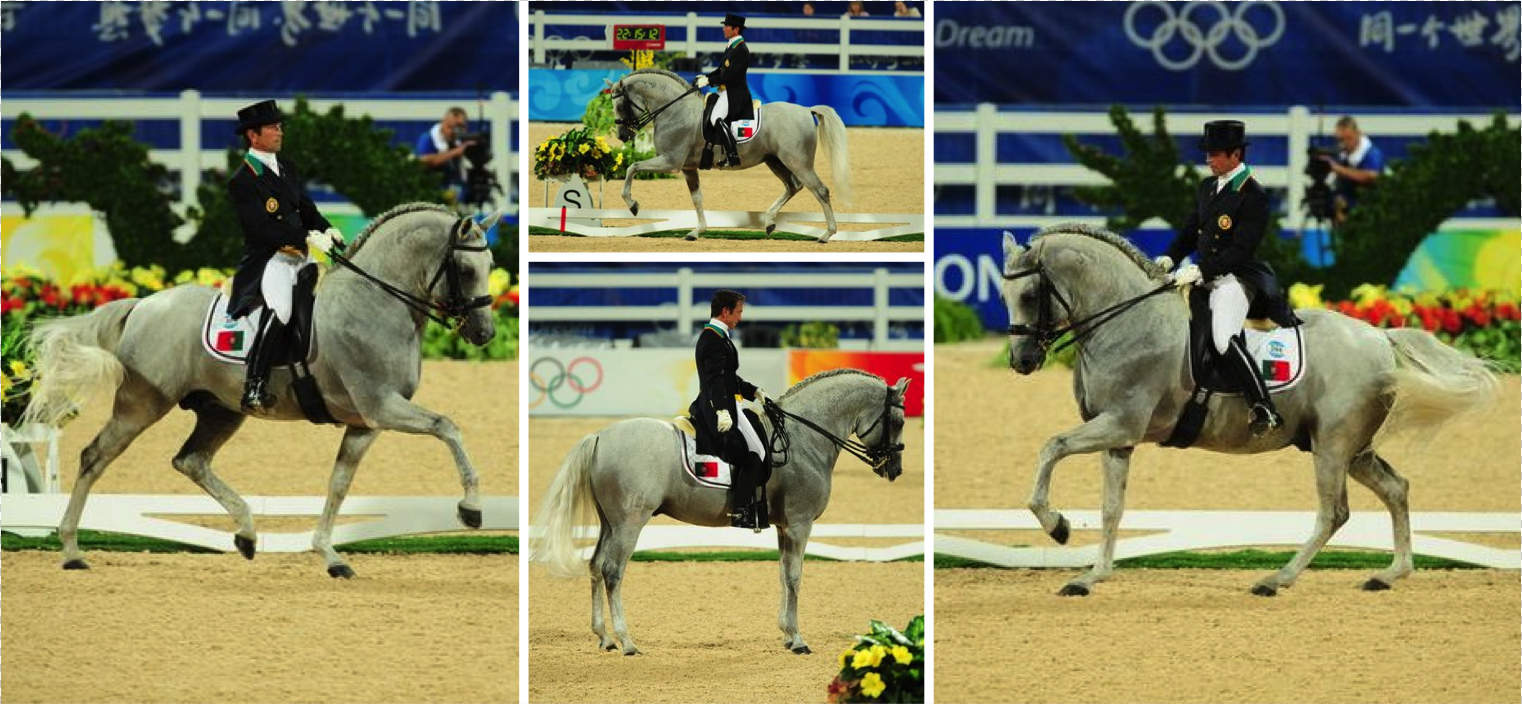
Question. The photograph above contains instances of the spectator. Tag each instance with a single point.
(441, 149)
(855, 9)
(902, 9)
(1357, 165)
(808, 9)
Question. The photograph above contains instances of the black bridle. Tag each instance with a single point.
(639, 123)
(875, 455)
(456, 305)
(1046, 331)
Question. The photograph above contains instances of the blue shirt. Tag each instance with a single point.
(1372, 159)
(451, 169)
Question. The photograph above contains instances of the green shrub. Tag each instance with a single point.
(956, 321)
(816, 334)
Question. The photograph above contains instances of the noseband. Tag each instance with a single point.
(456, 305)
(875, 455)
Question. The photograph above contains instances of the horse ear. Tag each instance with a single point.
(1012, 250)
(492, 220)
(608, 82)
(902, 386)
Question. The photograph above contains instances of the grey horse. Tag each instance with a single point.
(630, 472)
(785, 143)
(1131, 381)
(367, 364)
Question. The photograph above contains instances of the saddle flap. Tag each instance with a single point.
(1277, 352)
(229, 339)
(707, 470)
(746, 130)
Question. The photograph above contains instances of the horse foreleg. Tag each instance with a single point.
(1103, 432)
(658, 162)
(214, 425)
(1332, 490)
(1374, 472)
(355, 442)
(398, 413)
(1117, 465)
(130, 417)
(790, 188)
(791, 540)
(697, 203)
(613, 559)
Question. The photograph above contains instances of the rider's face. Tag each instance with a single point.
(1222, 162)
(730, 32)
(731, 316)
(267, 138)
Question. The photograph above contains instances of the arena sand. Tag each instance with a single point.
(198, 628)
(1198, 635)
(887, 175)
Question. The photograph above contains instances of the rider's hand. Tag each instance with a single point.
(1164, 262)
(1187, 275)
(335, 235)
(702, 82)
(760, 396)
(319, 241)
(724, 421)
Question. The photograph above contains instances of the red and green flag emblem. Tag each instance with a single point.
(1275, 370)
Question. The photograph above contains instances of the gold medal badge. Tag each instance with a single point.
(271, 205)
(726, 63)
(1224, 222)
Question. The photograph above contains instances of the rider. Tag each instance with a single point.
(734, 101)
(279, 223)
(1229, 219)
(715, 413)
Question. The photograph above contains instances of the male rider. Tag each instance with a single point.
(279, 223)
(734, 101)
(1228, 221)
(717, 416)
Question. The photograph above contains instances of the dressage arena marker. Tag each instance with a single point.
(663, 537)
(133, 514)
(1200, 530)
(585, 222)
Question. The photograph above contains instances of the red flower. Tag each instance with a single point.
(1506, 311)
(1478, 314)
(1452, 322)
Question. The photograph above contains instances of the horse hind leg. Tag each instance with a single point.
(612, 560)
(1374, 472)
(214, 426)
(790, 187)
(134, 410)
(599, 592)
(1332, 490)
(810, 180)
(697, 204)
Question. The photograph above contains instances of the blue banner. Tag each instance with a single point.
(1408, 54)
(238, 47)
(862, 100)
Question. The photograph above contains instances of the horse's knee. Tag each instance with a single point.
(190, 465)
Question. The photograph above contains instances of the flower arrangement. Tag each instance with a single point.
(16, 376)
(885, 665)
(1485, 323)
(577, 152)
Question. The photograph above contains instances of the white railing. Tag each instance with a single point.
(190, 109)
(1204, 530)
(985, 174)
(686, 313)
(690, 46)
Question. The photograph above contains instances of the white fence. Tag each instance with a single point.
(190, 109)
(136, 514)
(686, 312)
(986, 173)
(690, 46)
(664, 537)
(588, 222)
(1202, 530)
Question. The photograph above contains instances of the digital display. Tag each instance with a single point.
(628, 37)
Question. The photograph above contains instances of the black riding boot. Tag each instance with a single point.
(266, 341)
(1264, 416)
(731, 147)
(742, 492)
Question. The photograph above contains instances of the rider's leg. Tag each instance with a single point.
(275, 287)
(1228, 310)
(715, 124)
(756, 459)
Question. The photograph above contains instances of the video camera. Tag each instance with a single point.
(480, 182)
(1318, 199)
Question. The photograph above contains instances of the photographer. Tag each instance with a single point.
(1357, 166)
(442, 147)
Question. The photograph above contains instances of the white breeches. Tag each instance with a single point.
(720, 108)
(1228, 310)
(752, 440)
(279, 282)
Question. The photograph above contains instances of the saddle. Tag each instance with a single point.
(707, 464)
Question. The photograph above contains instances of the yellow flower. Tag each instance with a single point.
(208, 276)
(872, 685)
(602, 143)
(5, 387)
(18, 369)
(1368, 293)
(844, 656)
(862, 659)
(184, 277)
(618, 161)
(901, 654)
(498, 282)
(1304, 296)
(583, 148)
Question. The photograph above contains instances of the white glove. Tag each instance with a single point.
(335, 235)
(1187, 275)
(724, 422)
(319, 241)
(1164, 262)
(760, 396)
(702, 82)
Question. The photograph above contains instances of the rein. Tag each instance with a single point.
(1046, 333)
(451, 312)
(874, 455)
(640, 123)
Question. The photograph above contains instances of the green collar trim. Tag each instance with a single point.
(255, 164)
(738, 39)
(717, 329)
(1241, 178)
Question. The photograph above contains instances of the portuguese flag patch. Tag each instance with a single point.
(1275, 370)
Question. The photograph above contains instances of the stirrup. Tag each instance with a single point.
(256, 397)
(1264, 419)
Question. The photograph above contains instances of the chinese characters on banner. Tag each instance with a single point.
(1472, 29)
(121, 21)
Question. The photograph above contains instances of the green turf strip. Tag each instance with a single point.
(117, 542)
(730, 235)
(1250, 560)
(732, 556)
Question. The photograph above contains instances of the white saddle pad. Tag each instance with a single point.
(746, 130)
(1280, 356)
(224, 338)
(706, 470)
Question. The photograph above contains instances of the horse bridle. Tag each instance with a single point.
(875, 455)
(456, 306)
(643, 121)
(1046, 331)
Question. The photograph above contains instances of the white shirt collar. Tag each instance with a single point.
(720, 325)
(1222, 181)
(1357, 155)
(735, 39)
(267, 159)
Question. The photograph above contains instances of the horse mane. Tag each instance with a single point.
(656, 72)
(403, 209)
(826, 374)
(1126, 247)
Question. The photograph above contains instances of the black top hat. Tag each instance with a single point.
(262, 113)
(1224, 135)
(733, 20)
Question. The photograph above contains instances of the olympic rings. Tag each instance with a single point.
(563, 376)
(1205, 42)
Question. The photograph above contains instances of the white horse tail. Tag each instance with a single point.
(1432, 382)
(565, 506)
(75, 358)
(832, 134)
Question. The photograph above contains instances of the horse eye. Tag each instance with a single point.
(1028, 296)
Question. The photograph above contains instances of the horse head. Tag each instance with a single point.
(623, 115)
(467, 271)
(884, 434)
(1021, 294)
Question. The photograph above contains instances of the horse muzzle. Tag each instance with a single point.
(1025, 359)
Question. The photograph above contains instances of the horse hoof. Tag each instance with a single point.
(802, 650)
(631, 651)
(1060, 533)
(610, 647)
(471, 517)
(771, 228)
(1264, 590)
(1375, 584)
(691, 237)
(343, 571)
(245, 546)
(1073, 590)
(77, 563)
(634, 209)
